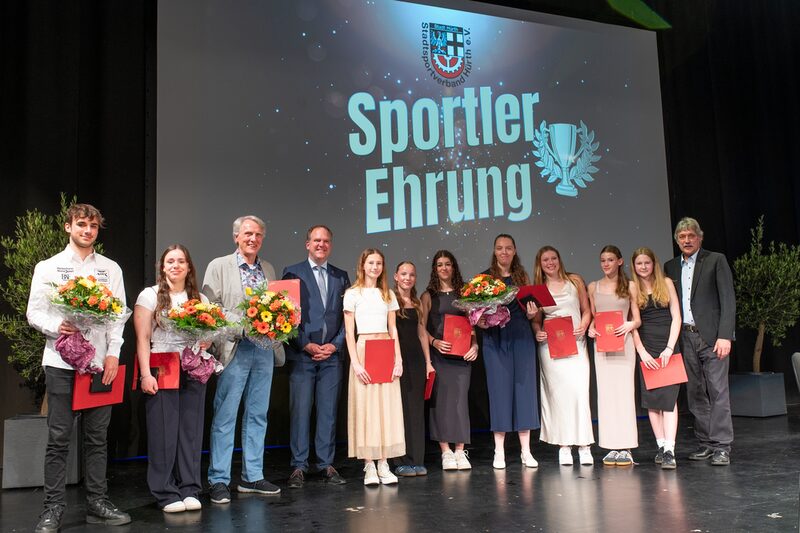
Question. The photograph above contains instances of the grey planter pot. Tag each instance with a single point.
(24, 444)
(757, 394)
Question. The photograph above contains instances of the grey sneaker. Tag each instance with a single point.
(50, 519)
(220, 493)
(660, 456)
(262, 486)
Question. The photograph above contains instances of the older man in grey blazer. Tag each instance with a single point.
(248, 370)
(708, 307)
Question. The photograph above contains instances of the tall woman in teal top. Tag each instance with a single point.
(510, 358)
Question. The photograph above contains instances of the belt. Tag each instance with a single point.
(689, 327)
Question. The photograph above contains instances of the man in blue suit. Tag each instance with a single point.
(316, 364)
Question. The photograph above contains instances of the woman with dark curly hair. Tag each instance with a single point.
(449, 412)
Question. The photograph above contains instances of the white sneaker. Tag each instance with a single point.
(499, 461)
(449, 461)
(528, 460)
(192, 503)
(462, 461)
(174, 507)
(371, 474)
(565, 456)
(585, 455)
(385, 474)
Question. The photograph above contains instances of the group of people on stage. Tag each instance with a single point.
(690, 302)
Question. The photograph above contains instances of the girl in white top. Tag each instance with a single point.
(174, 417)
(375, 427)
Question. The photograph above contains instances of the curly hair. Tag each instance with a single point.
(457, 281)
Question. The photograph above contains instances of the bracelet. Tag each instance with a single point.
(671, 349)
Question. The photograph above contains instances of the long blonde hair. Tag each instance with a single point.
(539, 276)
(412, 295)
(381, 283)
(660, 292)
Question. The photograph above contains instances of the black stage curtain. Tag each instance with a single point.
(77, 102)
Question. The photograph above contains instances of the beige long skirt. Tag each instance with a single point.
(375, 427)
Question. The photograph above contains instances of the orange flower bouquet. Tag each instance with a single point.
(270, 317)
(90, 306)
(198, 323)
(486, 296)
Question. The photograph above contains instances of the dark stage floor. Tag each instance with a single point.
(758, 492)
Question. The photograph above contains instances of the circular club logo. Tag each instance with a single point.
(446, 53)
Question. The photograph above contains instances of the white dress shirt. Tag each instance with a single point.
(687, 275)
(44, 317)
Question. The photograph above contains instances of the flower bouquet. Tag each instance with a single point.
(485, 296)
(89, 306)
(271, 318)
(198, 323)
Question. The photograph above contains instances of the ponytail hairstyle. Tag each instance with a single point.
(414, 299)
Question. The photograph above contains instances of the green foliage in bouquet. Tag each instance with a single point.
(767, 285)
(36, 237)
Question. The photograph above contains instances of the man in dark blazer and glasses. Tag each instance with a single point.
(708, 308)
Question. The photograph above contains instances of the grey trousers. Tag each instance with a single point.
(708, 394)
(60, 417)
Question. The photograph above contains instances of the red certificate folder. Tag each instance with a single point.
(379, 359)
(673, 374)
(605, 322)
(83, 398)
(560, 337)
(536, 293)
(167, 366)
(458, 332)
(429, 385)
(292, 286)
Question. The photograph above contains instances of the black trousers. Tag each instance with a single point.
(707, 392)
(174, 441)
(60, 418)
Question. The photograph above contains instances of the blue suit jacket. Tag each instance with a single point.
(313, 313)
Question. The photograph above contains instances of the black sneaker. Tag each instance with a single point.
(220, 493)
(669, 461)
(104, 512)
(297, 479)
(701, 454)
(659, 456)
(721, 458)
(50, 519)
(261, 486)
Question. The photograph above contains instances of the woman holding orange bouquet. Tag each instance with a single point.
(174, 417)
(509, 355)
(375, 428)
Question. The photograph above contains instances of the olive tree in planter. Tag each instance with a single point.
(36, 237)
(767, 282)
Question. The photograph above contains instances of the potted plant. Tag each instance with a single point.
(767, 283)
(36, 237)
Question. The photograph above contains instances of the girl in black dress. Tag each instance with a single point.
(655, 342)
(417, 362)
(449, 409)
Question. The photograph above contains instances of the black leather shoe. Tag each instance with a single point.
(104, 512)
(701, 454)
(668, 462)
(50, 519)
(297, 479)
(332, 476)
(721, 458)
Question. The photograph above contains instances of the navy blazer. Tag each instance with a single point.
(313, 315)
(713, 299)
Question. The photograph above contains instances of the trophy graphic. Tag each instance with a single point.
(562, 147)
(559, 159)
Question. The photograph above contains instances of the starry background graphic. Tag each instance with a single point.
(253, 119)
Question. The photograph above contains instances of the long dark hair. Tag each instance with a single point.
(519, 276)
(414, 298)
(163, 301)
(623, 289)
(456, 281)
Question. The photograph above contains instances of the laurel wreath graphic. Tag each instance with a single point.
(581, 173)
